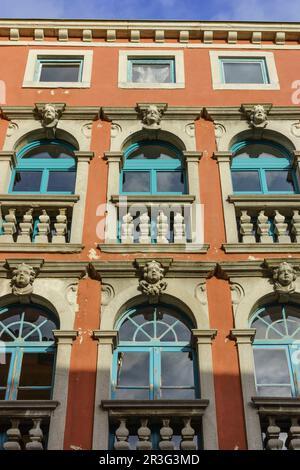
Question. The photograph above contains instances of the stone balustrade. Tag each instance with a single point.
(24, 424)
(160, 424)
(280, 422)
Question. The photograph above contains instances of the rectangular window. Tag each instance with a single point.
(151, 70)
(62, 70)
(49, 68)
(244, 70)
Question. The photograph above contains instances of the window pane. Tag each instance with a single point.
(245, 181)
(61, 181)
(136, 182)
(4, 367)
(59, 72)
(133, 368)
(132, 394)
(34, 394)
(151, 73)
(271, 366)
(273, 391)
(243, 72)
(280, 180)
(37, 369)
(27, 181)
(172, 363)
(177, 394)
(170, 182)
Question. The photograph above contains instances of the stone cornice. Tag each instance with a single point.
(183, 31)
(245, 336)
(65, 336)
(171, 112)
(238, 113)
(46, 269)
(265, 200)
(125, 269)
(38, 200)
(82, 113)
(258, 268)
(8, 155)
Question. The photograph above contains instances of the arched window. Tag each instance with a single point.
(262, 167)
(154, 358)
(153, 167)
(277, 350)
(27, 352)
(45, 166)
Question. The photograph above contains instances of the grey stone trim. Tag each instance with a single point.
(84, 156)
(8, 156)
(192, 156)
(171, 112)
(275, 406)
(238, 113)
(127, 269)
(68, 112)
(204, 336)
(265, 200)
(47, 269)
(168, 408)
(148, 248)
(41, 248)
(243, 336)
(65, 336)
(37, 200)
(261, 247)
(222, 156)
(185, 198)
(108, 337)
(27, 408)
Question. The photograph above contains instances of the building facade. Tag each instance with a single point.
(150, 235)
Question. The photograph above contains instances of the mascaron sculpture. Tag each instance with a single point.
(152, 283)
(22, 280)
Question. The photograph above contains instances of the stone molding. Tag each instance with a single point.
(10, 156)
(46, 269)
(204, 336)
(261, 247)
(171, 112)
(240, 113)
(67, 112)
(243, 336)
(65, 336)
(257, 268)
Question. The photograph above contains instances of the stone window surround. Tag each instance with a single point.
(250, 289)
(230, 125)
(55, 287)
(177, 126)
(33, 55)
(154, 54)
(119, 292)
(218, 84)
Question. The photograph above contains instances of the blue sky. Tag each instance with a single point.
(243, 10)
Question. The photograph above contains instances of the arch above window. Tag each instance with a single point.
(153, 167)
(45, 166)
(27, 372)
(276, 349)
(261, 167)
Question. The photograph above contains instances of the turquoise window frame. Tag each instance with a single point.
(154, 347)
(289, 345)
(263, 165)
(44, 165)
(152, 166)
(241, 60)
(55, 61)
(148, 61)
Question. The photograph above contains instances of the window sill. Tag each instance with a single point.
(155, 198)
(277, 405)
(27, 408)
(165, 408)
(41, 247)
(153, 248)
(56, 85)
(134, 85)
(265, 200)
(261, 247)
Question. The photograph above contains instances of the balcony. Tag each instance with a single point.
(266, 223)
(38, 223)
(24, 424)
(162, 424)
(280, 418)
(154, 223)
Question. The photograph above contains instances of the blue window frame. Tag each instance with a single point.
(58, 70)
(244, 70)
(262, 167)
(44, 166)
(151, 70)
(29, 356)
(153, 167)
(276, 350)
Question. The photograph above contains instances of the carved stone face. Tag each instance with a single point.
(152, 116)
(49, 113)
(22, 276)
(285, 274)
(258, 114)
(153, 273)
